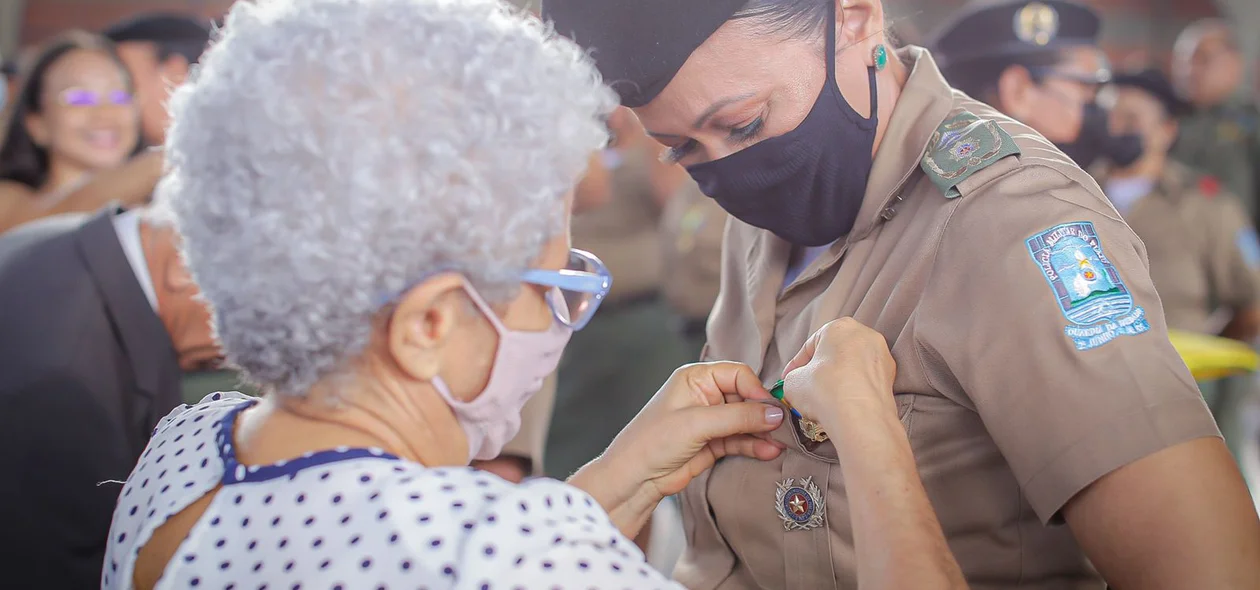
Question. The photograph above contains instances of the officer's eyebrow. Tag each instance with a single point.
(665, 136)
(705, 115)
(717, 106)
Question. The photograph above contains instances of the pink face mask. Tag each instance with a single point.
(521, 364)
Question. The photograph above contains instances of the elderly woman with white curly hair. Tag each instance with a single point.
(374, 197)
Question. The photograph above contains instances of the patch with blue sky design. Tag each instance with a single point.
(1089, 291)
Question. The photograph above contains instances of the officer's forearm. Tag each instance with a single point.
(898, 538)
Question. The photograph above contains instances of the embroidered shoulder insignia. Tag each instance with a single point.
(962, 145)
(1088, 289)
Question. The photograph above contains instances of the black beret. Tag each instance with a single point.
(161, 28)
(986, 30)
(639, 45)
(1156, 84)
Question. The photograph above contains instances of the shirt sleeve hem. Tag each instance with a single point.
(1124, 440)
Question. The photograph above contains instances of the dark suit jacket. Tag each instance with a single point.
(86, 371)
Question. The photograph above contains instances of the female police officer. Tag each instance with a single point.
(1041, 65)
(1035, 377)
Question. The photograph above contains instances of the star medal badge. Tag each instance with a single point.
(801, 506)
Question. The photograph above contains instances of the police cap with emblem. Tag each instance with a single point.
(988, 29)
(173, 33)
(639, 45)
(1155, 83)
(985, 37)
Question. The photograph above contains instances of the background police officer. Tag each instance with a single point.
(1222, 135)
(1038, 62)
(1203, 250)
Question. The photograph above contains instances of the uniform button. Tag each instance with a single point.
(888, 214)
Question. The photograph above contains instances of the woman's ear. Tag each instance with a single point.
(859, 23)
(422, 324)
(1169, 130)
(174, 70)
(1014, 92)
(37, 128)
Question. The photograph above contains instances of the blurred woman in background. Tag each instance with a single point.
(70, 129)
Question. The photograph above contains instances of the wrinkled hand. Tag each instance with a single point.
(843, 366)
(703, 413)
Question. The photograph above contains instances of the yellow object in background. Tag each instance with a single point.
(1210, 358)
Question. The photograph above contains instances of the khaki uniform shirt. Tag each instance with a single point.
(1202, 248)
(691, 238)
(1225, 142)
(1011, 407)
(624, 232)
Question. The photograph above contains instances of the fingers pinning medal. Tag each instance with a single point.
(811, 429)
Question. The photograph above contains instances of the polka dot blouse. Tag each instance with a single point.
(352, 519)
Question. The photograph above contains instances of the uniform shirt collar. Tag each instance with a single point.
(1126, 192)
(127, 226)
(925, 101)
(1175, 181)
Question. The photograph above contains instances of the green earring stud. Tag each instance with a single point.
(880, 55)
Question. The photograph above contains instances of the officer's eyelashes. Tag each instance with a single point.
(737, 136)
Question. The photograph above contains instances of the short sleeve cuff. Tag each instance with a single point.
(1124, 440)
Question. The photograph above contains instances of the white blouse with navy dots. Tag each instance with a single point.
(355, 519)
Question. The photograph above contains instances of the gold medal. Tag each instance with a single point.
(813, 430)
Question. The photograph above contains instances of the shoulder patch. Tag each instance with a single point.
(962, 145)
(1089, 290)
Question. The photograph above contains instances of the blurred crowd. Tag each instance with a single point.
(94, 297)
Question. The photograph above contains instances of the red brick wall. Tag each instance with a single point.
(45, 18)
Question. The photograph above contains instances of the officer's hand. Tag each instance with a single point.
(843, 366)
(703, 413)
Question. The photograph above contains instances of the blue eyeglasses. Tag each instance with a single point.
(581, 286)
(576, 290)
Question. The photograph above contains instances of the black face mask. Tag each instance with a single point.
(806, 185)
(1096, 141)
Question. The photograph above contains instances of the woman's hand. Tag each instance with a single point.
(843, 377)
(843, 368)
(703, 413)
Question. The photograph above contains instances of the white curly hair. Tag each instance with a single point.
(328, 152)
